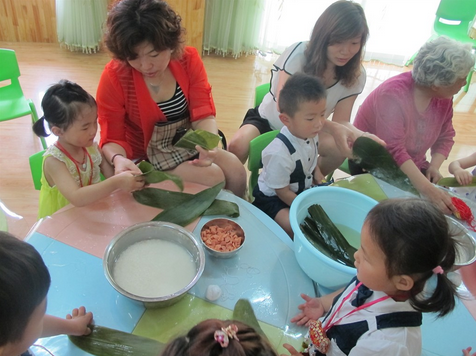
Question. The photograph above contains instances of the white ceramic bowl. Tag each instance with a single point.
(150, 231)
(344, 207)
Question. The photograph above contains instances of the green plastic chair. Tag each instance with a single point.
(260, 92)
(453, 19)
(13, 103)
(257, 145)
(36, 168)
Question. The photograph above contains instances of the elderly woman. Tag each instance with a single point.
(153, 90)
(412, 112)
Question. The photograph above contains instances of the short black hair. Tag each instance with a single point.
(24, 284)
(298, 89)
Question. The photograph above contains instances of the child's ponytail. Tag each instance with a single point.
(39, 128)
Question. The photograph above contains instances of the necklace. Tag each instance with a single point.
(76, 162)
(317, 330)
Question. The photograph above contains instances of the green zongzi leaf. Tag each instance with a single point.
(109, 342)
(153, 176)
(165, 199)
(202, 138)
(375, 159)
(191, 209)
(452, 182)
(243, 312)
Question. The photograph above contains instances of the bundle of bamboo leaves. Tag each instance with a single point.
(178, 207)
(326, 237)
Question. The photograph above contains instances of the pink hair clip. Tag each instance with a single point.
(438, 270)
(224, 335)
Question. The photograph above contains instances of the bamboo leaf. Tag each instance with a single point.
(153, 176)
(452, 182)
(109, 342)
(375, 159)
(165, 199)
(202, 138)
(188, 211)
(243, 312)
(326, 237)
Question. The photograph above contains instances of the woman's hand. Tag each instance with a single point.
(345, 135)
(312, 309)
(79, 321)
(205, 158)
(439, 198)
(123, 164)
(433, 174)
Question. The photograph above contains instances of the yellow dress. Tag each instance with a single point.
(51, 200)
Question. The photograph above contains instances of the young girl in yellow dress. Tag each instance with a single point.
(72, 166)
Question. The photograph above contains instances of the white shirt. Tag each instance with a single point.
(292, 61)
(278, 163)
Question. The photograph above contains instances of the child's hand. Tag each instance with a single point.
(129, 182)
(205, 158)
(466, 352)
(312, 309)
(292, 350)
(79, 321)
(463, 177)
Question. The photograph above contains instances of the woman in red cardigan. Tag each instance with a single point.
(153, 90)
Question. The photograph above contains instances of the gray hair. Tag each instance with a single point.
(442, 62)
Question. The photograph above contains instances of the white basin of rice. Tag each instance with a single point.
(154, 268)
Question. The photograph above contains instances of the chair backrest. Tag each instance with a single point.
(36, 168)
(456, 10)
(9, 68)
(260, 92)
(257, 145)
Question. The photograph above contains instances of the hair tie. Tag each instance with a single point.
(224, 335)
(438, 270)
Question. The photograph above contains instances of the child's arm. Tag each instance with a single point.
(466, 352)
(75, 323)
(107, 169)
(286, 194)
(57, 174)
(457, 168)
(314, 308)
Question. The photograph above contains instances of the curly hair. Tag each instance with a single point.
(415, 238)
(442, 62)
(341, 21)
(200, 341)
(132, 22)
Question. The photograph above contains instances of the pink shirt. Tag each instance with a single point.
(390, 113)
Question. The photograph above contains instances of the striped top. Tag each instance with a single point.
(175, 108)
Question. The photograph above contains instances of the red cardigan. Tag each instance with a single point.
(126, 112)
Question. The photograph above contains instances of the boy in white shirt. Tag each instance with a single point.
(290, 160)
